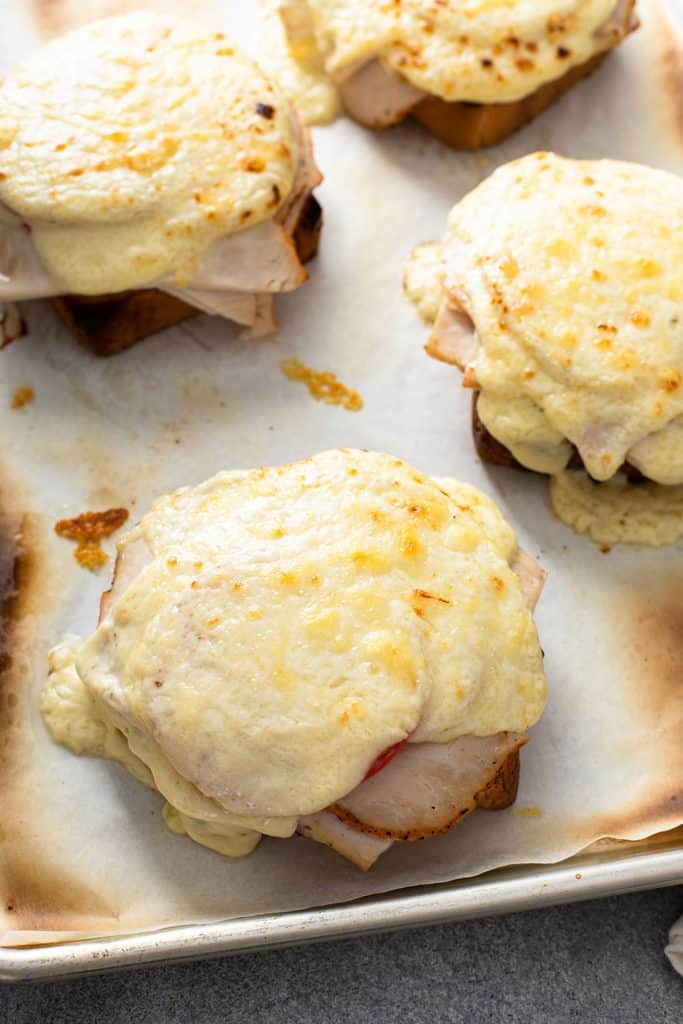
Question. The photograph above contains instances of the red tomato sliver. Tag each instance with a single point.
(383, 759)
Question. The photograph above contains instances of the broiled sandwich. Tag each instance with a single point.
(149, 171)
(472, 71)
(558, 291)
(342, 647)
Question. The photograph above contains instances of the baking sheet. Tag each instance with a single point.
(83, 847)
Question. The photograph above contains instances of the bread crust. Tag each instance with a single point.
(491, 450)
(501, 791)
(477, 125)
(107, 324)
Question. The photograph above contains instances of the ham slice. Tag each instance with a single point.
(454, 338)
(531, 577)
(377, 98)
(428, 788)
(360, 848)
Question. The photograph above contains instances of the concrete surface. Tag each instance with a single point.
(594, 963)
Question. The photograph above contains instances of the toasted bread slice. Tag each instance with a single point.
(491, 450)
(501, 791)
(107, 324)
(476, 125)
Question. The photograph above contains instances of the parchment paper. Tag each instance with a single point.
(83, 846)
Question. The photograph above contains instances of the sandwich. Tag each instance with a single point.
(558, 292)
(149, 171)
(471, 72)
(342, 648)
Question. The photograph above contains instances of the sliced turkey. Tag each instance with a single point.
(358, 847)
(428, 788)
(453, 338)
(531, 577)
(377, 98)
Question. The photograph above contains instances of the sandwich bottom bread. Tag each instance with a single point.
(107, 324)
(342, 648)
(467, 125)
(491, 450)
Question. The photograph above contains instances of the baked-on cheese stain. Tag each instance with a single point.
(477, 51)
(21, 397)
(88, 530)
(323, 385)
(131, 145)
(336, 646)
(561, 299)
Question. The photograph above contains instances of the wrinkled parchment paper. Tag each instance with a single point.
(83, 846)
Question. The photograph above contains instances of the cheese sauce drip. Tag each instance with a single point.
(474, 50)
(571, 273)
(129, 146)
(288, 625)
(423, 279)
(616, 512)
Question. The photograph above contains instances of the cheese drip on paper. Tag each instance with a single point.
(131, 145)
(474, 50)
(288, 625)
(618, 512)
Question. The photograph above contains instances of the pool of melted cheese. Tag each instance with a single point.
(475, 50)
(290, 625)
(132, 144)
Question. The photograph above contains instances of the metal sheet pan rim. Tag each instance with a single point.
(507, 890)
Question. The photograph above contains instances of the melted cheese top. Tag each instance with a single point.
(129, 146)
(476, 50)
(294, 622)
(572, 274)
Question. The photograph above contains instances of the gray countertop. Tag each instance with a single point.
(597, 963)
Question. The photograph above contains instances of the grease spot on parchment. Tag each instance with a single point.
(653, 621)
(33, 892)
(648, 644)
(38, 896)
(667, 59)
(19, 599)
(671, 80)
